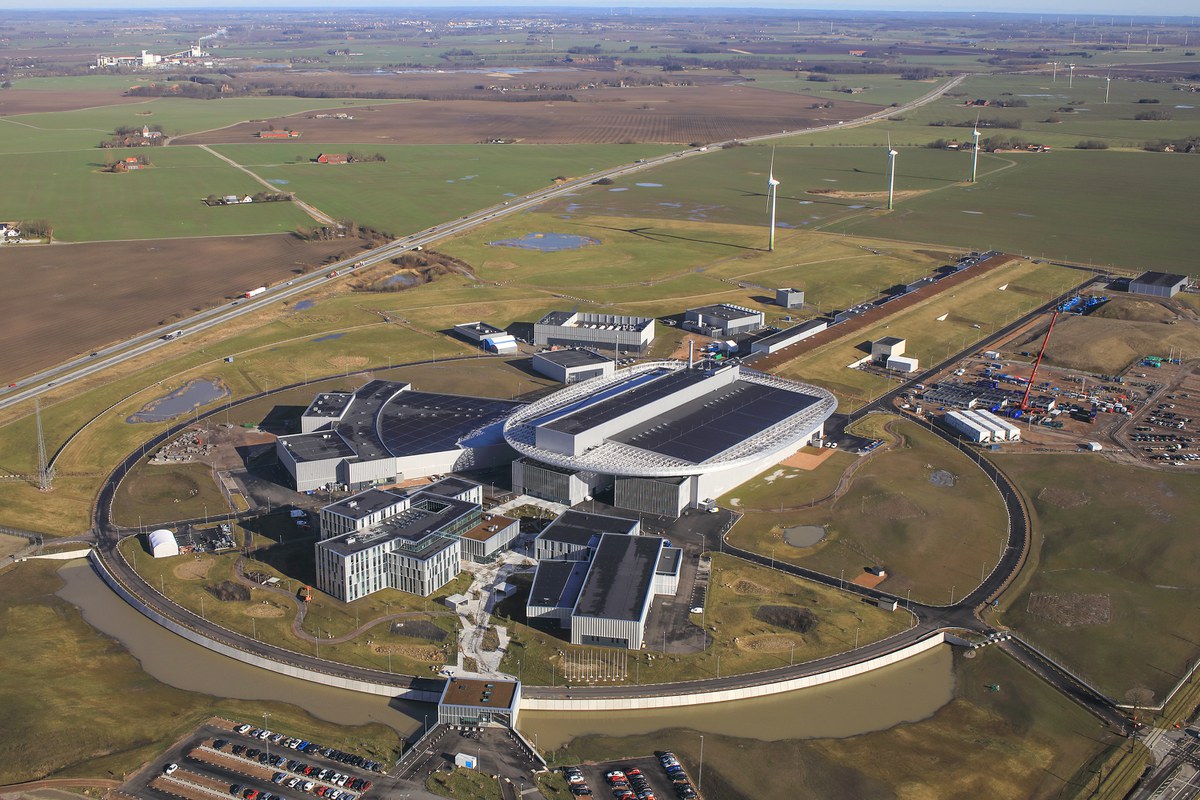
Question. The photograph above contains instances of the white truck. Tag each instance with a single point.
(255, 292)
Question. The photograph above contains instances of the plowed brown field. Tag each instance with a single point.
(61, 301)
(18, 101)
(675, 114)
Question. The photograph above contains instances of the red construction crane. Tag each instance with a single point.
(1036, 364)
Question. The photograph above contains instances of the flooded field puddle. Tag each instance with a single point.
(804, 535)
(184, 400)
(329, 337)
(547, 242)
(304, 305)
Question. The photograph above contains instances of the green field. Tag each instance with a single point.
(880, 90)
(155, 493)
(423, 185)
(1111, 589)
(1023, 742)
(71, 679)
(934, 540)
(85, 203)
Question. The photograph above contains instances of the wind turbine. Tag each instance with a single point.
(1107, 87)
(771, 192)
(1071, 76)
(892, 178)
(975, 152)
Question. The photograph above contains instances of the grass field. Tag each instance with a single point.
(422, 185)
(464, 784)
(70, 679)
(897, 513)
(738, 640)
(880, 90)
(1111, 594)
(84, 203)
(1106, 345)
(154, 493)
(1021, 743)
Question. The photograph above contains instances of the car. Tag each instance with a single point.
(278, 777)
(320, 791)
(307, 786)
(170, 768)
(235, 789)
(253, 752)
(250, 794)
(293, 782)
(238, 749)
(263, 735)
(341, 781)
(219, 744)
(616, 774)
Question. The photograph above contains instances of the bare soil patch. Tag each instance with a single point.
(36, 101)
(766, 643)
(1071, 609)
(869, 579)
(264, 611)
(194, 570)
(806, 459)
(1060, 497)
(415, 652)
(66, 300)
(674, 114)
(744, 586)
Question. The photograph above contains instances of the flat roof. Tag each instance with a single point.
(329, 404)
(318, 446)
(725, 311)
(607, 408)
(620, 578)
(426, 515)
(556, 318)
(669, 561)
(476, 693)
(365, 503)
(423, 422)
(556, 584)
(793, 332)
(578, 527)
(487, 528)
(708, 426)
(358, 424)
(481, 327)
(1159, 278)
(889, 340)
(575, 357)
(450, 486)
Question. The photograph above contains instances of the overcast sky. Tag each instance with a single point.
(1142, 10)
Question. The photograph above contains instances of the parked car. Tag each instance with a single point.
(170, 768)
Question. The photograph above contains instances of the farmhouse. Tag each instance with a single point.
(274, 134)
(332, 158)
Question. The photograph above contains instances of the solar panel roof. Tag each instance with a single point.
(422, 422)
(592, 415)
(710, 425)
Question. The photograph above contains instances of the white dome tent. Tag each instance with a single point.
(163, 544)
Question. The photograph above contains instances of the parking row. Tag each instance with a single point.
(296, 774)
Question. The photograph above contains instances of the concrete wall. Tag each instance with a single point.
(701, 697)
(312, 676)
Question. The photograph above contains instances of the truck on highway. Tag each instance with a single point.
(172, 335)
(255, 292)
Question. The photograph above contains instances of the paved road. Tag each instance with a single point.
(75, 369)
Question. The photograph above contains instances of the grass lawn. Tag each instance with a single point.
(70, 678)
(423, 185)
(154, 493)
(742, 641)
(1112, 593)
(1025, 741)
(84, 203)
(933, 539)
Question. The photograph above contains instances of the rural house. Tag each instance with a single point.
(333, 158)
(273, 134)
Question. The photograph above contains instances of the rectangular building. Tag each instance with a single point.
(902, 364)
(723, 319)
(477, 331)
(360, 511)
(788, 336)
(480, 702)
(887, 347)
(555, 590)
(971, 429)
(1158, 284)
(575, 534)
(572, 365)
(556, 484)
(617, 592)
(1010, 431)
(663, 497)
(493, 533)
(789, 298)
(606, 331)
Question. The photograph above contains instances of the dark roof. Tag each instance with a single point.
(578, 527)
(365, 503)
(317, 446)
(329, 404)
(556, 318)
(708, 426)
(724, 311)
(792, 332)
(422, 422)
(450, 486)
(557, 583)
(620, 578)
(358, 424)
(669, 560)
(426, 516)
(1159, 279)
(641, 393)
(889, 341)
(576, 357)
(492, 693)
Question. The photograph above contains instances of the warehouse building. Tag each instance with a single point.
(788, 336)
(981, 426)
(888, 347)
(385, 433)
(480, 702)
(573, 365)
(722, 320)
(606, 331)
(973, 430)
(1006, 430)
(477, 331)
(667, 435)
(902, 364)
(1158, 284)
(575, 534)
(789, 298)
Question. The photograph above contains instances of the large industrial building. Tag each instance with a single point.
(982, 426)
(411, 542)
(723, 319)
(385, 433)
(788, 336)
(575, 535)
(606, 331)
(667, 435)
(572, 365)
(1158, 284)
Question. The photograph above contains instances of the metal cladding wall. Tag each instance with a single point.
(602, 631)
(662, 497)
(308, 475)
(1154, 290)
(367, 473)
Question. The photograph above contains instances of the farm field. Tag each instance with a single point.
(1128, 210)
(85, 203)
(66, 300)
(1026, 742)
(880, 90)
(420, 186)
(920, 510)
(676, 114)
(1109, 593)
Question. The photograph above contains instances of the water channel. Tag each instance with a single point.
(905, 692)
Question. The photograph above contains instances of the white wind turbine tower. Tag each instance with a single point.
(975, 151)
(1107, 87)
(771, 192)
(892, 178)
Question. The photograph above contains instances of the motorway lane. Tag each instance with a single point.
(78, 368)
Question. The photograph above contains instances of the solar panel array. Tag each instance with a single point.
(707, 427)
(422, 422)
(613, 407)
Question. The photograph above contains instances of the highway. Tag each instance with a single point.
(112, 355)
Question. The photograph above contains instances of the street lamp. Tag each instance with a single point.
(700, 771)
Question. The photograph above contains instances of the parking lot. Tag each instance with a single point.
(1167, 429)
(229, 761)
(657, 777)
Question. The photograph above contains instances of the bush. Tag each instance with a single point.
(1091, 144)
(800, 620)
(1152, 115)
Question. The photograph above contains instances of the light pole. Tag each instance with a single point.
(700, 771)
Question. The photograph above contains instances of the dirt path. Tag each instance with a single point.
(312, 211)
